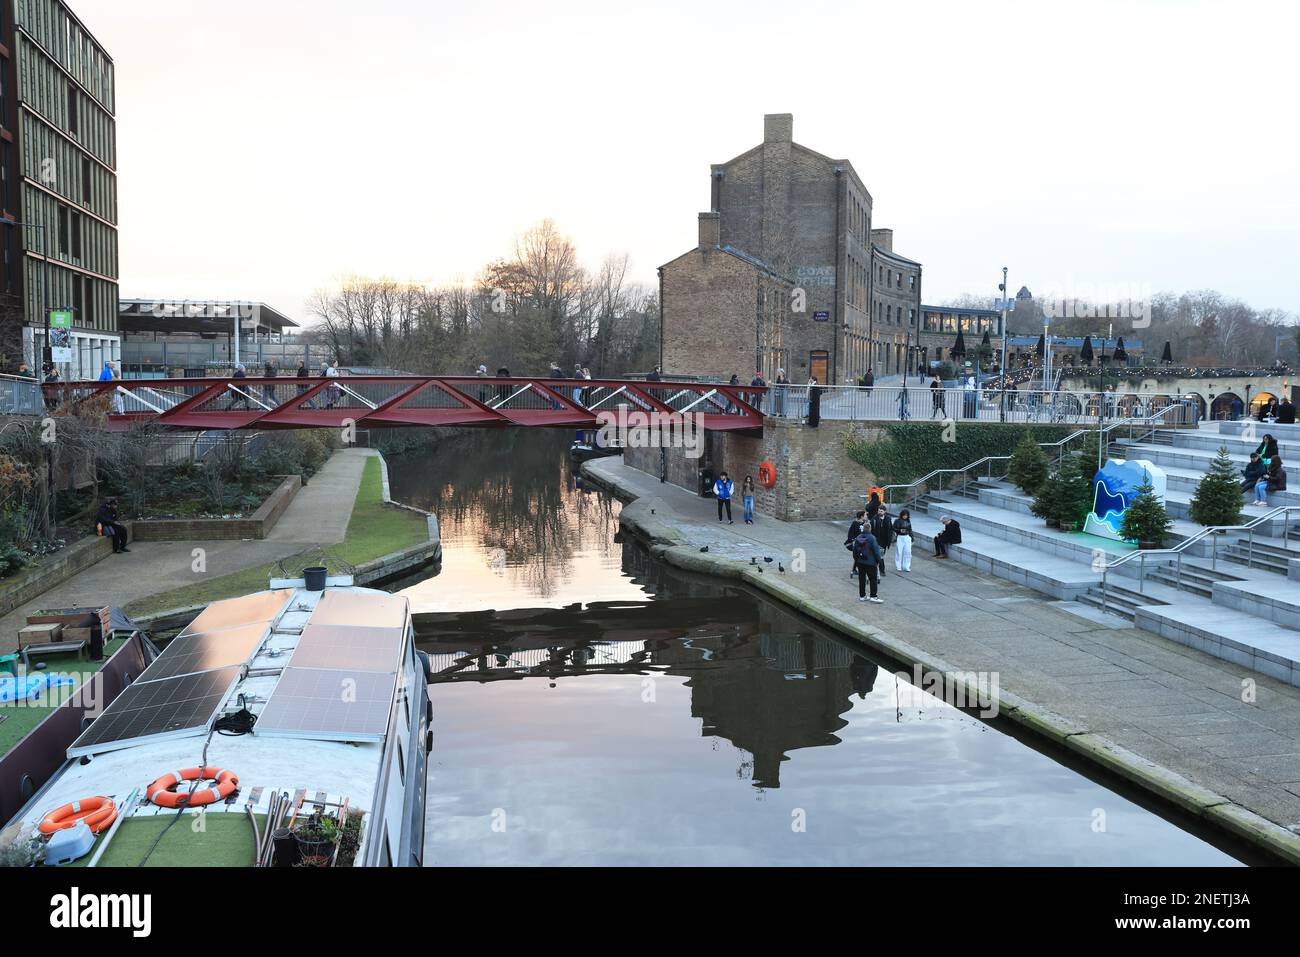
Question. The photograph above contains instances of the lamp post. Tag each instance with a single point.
(1002, 412)
(47, 354)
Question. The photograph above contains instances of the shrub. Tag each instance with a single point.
(1217, 499)
(911, 449)
(1029, 466)
(1145, 519)
(1064, 498)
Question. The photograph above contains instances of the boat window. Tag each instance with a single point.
(401, 765)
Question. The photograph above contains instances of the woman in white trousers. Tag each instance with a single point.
(903, 542)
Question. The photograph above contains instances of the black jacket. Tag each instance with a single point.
(855, 529)
(1286, 414)
(902, 526)
(107, 515)
(951, 533)
(883, 529)
(1253, 472)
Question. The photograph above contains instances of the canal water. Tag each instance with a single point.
(595, 707)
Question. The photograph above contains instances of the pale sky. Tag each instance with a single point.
(269, 148)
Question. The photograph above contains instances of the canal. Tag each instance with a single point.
(592, 706)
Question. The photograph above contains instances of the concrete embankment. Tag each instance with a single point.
(1043, 657)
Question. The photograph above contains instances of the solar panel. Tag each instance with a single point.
(349, 647)
(149, 710)
(189, 654)
(263, 607)
(360, 610)
(329, 704)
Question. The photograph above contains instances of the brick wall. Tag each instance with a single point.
(815, 478)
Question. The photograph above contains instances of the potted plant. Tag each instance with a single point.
(1145, 520)
(316, 838)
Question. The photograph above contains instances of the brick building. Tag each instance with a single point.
(804, 218)
(728, 309)
(938, 333)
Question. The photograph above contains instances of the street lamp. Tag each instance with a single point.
(1002, 415)
(47, 357)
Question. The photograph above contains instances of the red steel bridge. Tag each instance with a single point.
(393, 401)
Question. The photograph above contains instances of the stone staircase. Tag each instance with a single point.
(1234, 599)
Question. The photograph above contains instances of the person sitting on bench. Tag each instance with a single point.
(951, 535)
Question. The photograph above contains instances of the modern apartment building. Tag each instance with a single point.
(58, 190)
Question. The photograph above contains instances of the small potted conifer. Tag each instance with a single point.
(1145, 520)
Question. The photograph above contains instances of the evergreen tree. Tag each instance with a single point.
(1029, 465)
(1145, 519)
(1217, 500)
(1086, 461)
(1064, 498)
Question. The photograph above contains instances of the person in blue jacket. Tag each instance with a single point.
(723, 488)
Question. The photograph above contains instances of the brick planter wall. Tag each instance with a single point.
(256, 526)
(53, 570)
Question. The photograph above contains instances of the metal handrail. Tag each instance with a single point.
(1176, 553)
(1059, 445)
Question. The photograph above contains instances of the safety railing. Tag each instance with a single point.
(984, 403)
(1138, 430)
(20, 396)
(1212, 532)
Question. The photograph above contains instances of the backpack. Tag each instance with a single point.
(865, 551)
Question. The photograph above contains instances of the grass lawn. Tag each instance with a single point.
(226, 840)
(375, 529)
(18, 719)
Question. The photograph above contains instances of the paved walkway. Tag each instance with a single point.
(318, 515)
(1172, 705)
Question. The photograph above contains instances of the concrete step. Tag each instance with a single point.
(1186, 480)
(1283, 433)
(1228, 634)
(1195, 459)
(1235, 444)
(1273, 599)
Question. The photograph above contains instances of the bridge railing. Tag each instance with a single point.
(20, 396)
(985, 404)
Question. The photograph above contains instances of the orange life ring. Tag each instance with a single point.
(97, 812)
(766, 474)
(223, 784)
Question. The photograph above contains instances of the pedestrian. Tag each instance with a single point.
(240, 397)
(732, 408)
(873, 506)
(586, 390)
(904, 411)
(52, 372)
(1285, 412)
(268, 388)
(814, 403)
(903, 542)
(756, 398)
(332, 391)
(950, 535)
(747, 498)
(483, 391)
(24, 371)
(577, 374)
(503, 391)
(655, 376)
(778, 392)
(882, 529)
(969, 398)
(869, 379)
(109, 525)
(302, 373)
(855, 529)
(936, 398)
(723, 488)
(866, 558)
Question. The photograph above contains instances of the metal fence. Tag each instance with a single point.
(921, 403)
(20, 396)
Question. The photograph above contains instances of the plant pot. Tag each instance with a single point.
(311, 846)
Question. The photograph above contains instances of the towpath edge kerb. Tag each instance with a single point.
(1217, 810)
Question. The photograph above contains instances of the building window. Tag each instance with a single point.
(63, 229)
(87, 183)
(74, 120)
(75, 225)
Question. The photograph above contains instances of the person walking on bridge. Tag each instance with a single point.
(723, 488)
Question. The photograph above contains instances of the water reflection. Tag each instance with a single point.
(513, 520)
(594, 707)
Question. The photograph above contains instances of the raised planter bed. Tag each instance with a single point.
(53, 569)
(256, 526)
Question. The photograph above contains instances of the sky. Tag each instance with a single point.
(270, 149)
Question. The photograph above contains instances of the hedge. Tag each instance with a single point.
(912, 449)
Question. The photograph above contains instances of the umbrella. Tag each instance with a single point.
(959, 347)
(1166, 356)
(1120, 355)
(1085, 354)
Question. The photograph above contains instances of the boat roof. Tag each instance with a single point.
(297, 631)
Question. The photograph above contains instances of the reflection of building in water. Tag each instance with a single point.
(765, 682)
